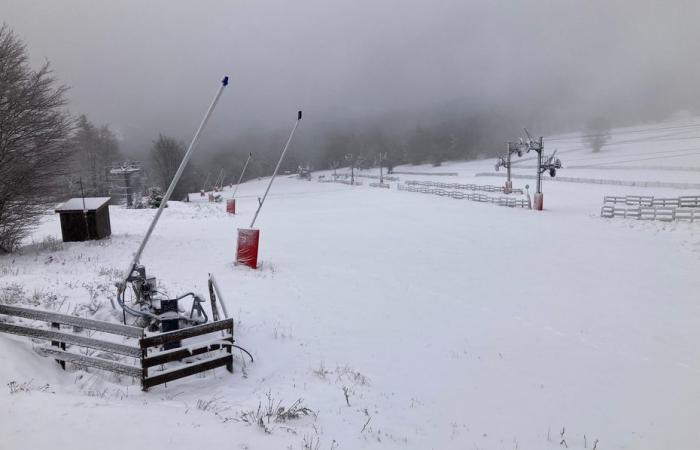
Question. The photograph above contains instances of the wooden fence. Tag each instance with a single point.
(470, 187)
(144, 352)
(668, 214)
(685, 201)
(460, 195)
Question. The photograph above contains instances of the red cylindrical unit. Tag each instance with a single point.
(231, 206)
(247, 251)
(508, 188)
(539, 201)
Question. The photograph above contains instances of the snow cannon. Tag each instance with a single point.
(249, 238)
(247, 247)
(147, 305)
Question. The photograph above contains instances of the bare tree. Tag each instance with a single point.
(165, 158)
(597, 133)
(95, 149)
(34, 131)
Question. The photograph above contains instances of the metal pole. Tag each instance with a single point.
(508, 161)
(218, 294)
(173, 183)
(279, 163)
(219, 178)
(539, 168)
(87, 225)
(206, 180)
(250, 155)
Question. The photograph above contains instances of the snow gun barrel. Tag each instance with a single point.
(274, 174)
(245, 166)
(168, 193)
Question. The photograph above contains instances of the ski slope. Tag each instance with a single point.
(448, 323)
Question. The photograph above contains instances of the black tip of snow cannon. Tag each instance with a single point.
(225, 81)
(299, 116)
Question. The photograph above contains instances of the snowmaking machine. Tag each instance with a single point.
(149, 307)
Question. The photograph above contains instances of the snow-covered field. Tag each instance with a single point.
(447, 323)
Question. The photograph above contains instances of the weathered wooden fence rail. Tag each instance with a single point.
(461, 195)
(470, 187)
(144, 352)
(177, 354)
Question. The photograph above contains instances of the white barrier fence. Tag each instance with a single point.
(349, 182)
(667, 214)
(363, 175)
(686, 201)
(470, 187)
(460, 195)
(657, 184)
(437, 174)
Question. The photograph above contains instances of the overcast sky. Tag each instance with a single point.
(152, 66)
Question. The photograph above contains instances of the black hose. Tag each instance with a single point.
(241, 348)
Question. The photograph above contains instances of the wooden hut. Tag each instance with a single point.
(84, 219)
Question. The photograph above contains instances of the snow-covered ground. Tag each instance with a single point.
(448, 323)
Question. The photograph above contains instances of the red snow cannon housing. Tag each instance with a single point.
(247, 251)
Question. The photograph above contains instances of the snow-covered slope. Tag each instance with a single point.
(448, 323)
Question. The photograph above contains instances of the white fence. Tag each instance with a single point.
(329, 180)
(439, 174)
(470, 187)
(667, 214)
(460, 195)
(686, 201)
(363, 175)
(660, 184)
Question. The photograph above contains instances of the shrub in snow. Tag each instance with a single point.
(153, 198)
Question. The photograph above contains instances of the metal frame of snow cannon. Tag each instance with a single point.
(163, 313)
(156, 312)
(304, 172)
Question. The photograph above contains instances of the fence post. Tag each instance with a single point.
(212, 299)
(229, 350)
(61, 345)
(144, 369)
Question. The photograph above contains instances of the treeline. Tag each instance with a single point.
(459, 137)
(47, 154)
(421, 145)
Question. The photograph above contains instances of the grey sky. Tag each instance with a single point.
(152, 66)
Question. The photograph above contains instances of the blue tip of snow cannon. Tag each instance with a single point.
(225, 81)
(299, 116)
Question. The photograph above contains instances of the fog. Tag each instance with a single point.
(149, 67)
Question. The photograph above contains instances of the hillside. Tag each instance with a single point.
(403, 320)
